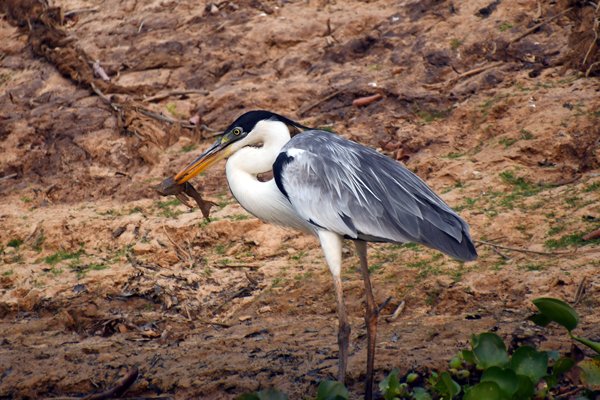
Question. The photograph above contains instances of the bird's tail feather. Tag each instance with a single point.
(463, 250)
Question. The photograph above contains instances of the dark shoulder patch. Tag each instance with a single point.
(280, 162)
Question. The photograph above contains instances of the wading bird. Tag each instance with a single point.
(335, 189)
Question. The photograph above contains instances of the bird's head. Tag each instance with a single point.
(250, 129)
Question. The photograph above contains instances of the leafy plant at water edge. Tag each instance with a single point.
(554, 310)
(488, 371)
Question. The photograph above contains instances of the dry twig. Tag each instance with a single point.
(221, 324)
(396, 312)
(384, 304)
(504, 256)
(161, 96)
(592, 235)
(580, 291)
(463, 75)
(236, 266)
(180, 251)
(303, 110)
(537, 26)
(589, 51)
(142, 110)
(187, 311)
(164, 118)
(119, 389)
(542, 253)
(81, 11)
(250, 278)
(7, 177)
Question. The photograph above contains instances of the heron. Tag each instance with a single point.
(335, 189)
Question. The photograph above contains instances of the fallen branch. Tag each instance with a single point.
(592, 235)
(591, 68)
(164, 118)
(477, 70)
(384, 304)
(581, 289)
(589, 51)
(119, 389)
(80, 11)
(164, 95)
(250, 279)
(537, 26)
(504, 256)
(564, 181)
(463, 75)
(394, 316)
(247, 290)
(105, 98)
(7, 177)
(187, 311)
(236, 266)
(221, 324)
(180, 251)
(142, 110)
(316, 103)
(542, 253)
(570, 394)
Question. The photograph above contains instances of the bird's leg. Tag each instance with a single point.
(343, 329)
(371, 315)
(332, 248)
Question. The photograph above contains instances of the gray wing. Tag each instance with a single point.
(344, 187)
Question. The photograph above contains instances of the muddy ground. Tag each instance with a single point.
(99, 274)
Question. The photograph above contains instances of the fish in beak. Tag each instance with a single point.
(179, 186)
(211, 156)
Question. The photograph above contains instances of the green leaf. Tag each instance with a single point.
(506, 379)
(485, 390)
(592, 345)
(412, 377)
(332, 390)
(590, 373)
(469, 357)
(446, 386)
(562, 365)
(455, 362)
(540, 319)
(419, 393)
(268, 394)
(390, 386)
(489, 350)
(557, 311)
(529, 362)
(526, 389)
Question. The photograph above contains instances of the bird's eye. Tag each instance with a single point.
(237, 131)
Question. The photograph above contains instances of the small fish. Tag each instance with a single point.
(169, 187)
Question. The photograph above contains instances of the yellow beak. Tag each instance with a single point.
(211, 156)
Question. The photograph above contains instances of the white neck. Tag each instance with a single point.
(262, 199)
(256, 160)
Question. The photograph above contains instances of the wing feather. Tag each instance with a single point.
(350, 189)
